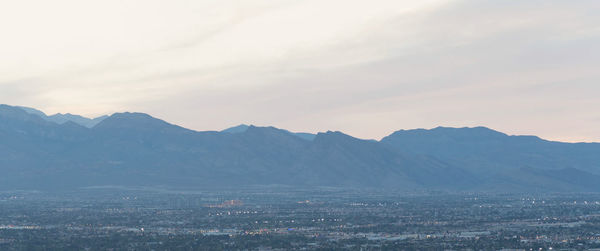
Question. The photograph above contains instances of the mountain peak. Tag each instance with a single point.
(449, 132)
(18, 113)
(32, 111)
(237, 129)
(243, 128)
(132, 120)
(334, 136)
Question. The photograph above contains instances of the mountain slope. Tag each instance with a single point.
(487, 150)
(136, 149)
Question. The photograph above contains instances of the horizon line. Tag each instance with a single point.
(314, 133)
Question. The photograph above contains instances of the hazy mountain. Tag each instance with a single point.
(237, 129)
(63, 118)
(486, 150)
(242, 128)
(60, 118)
(135, 149)
(305, 135)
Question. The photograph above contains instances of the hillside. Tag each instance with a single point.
(136, 149)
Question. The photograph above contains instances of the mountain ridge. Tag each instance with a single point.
(61, 118)
(136, 149)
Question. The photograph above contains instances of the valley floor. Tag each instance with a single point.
(295, 219)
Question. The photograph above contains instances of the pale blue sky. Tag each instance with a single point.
(363, 67)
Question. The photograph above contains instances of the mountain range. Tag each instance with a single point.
(60, 118)
(65, 151)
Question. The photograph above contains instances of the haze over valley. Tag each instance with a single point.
(263, 125)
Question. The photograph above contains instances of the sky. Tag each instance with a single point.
(366, 68)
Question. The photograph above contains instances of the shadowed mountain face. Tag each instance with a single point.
(135, 149)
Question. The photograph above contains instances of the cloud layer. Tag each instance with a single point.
(363, 67)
